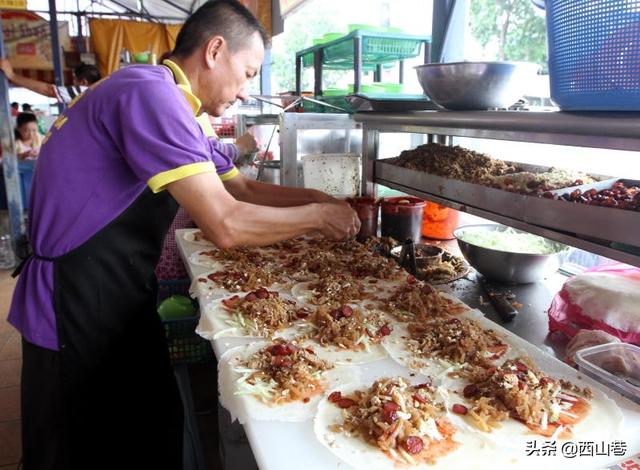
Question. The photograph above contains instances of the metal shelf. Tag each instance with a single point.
(600, 130)
(617, 131)
(561, 237)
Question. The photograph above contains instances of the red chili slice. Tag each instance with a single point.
(302, 313)
(418, 398)
(335, 397)
(262, 293)
(413, 445)
(390, 412)
(306, 399)
(459, 409)
(521, 367)
(336, 314)
(347, 311)
(411, 279)
(470, 391)
(281, 350)
(231, 301)
(346, 403)
(384, 330)
(427, 384)
(250, 297)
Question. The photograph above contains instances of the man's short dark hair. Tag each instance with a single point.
(15, 105)
(87, 72)
(226, 18)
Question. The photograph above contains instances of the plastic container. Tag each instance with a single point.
(367, 209)
(617, 365)
(439, 222)
(337, 174)
(402, 218)
(594, 54)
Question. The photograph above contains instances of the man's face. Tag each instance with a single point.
(227, 75)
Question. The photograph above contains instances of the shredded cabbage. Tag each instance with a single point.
(511, 241)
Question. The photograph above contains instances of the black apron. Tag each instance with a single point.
(108, 398)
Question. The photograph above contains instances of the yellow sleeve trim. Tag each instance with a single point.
(232, 173)
(160, 181)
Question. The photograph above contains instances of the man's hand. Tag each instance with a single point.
(246, 143)
(7, 68)
(339, 221)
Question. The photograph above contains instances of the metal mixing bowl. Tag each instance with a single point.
(475, 85)
(504, 266)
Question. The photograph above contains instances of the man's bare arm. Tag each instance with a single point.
(257, 192)
(228, 222)
(42, 88)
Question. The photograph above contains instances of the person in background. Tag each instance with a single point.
(84, 75)
(28, 140)
(26, 108)
(15, 109)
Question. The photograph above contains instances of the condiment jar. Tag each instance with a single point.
(367, 210)
(402, 218)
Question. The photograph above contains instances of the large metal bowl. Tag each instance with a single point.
(504, 266)
(475, 85)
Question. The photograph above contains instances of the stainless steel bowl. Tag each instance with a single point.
(504, 266)
(475, 85)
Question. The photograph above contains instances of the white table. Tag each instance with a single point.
(293, 446)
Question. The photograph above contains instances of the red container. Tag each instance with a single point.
(402, 218)
(367, 210)
(439, 222)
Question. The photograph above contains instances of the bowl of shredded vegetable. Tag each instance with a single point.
(508, 255)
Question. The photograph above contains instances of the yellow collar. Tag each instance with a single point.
(185, 87)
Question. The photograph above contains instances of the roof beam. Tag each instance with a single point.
(176, 6)
(192, 7)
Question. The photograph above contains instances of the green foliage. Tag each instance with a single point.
(512, 28)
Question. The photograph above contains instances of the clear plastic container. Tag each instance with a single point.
(617, 365)
(336, 174)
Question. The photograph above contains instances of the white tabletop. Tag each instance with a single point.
(292, 446)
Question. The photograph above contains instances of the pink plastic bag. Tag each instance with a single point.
(568, 318)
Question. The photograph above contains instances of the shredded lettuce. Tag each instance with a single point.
(511, 241)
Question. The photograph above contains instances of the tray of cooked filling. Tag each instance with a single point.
(556, 198)
(474, 178)
(606, 210)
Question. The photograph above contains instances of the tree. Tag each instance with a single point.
(512, 28)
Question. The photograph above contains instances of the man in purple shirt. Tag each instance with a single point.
(97, 386)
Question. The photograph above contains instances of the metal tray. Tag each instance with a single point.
(591, 222)
(475, 195)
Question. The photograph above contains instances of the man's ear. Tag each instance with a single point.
(212, 50)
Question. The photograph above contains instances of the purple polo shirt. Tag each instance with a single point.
(133, 129)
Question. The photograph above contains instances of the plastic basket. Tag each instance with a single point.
(185, 345)
(375, 49)
(594, 54)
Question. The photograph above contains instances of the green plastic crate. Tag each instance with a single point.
(377, 48)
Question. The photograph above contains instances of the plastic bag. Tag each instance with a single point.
(569, 318)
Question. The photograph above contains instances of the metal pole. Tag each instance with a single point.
(265, 73)
(55, 47)
(357, 64)
(9, 158)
